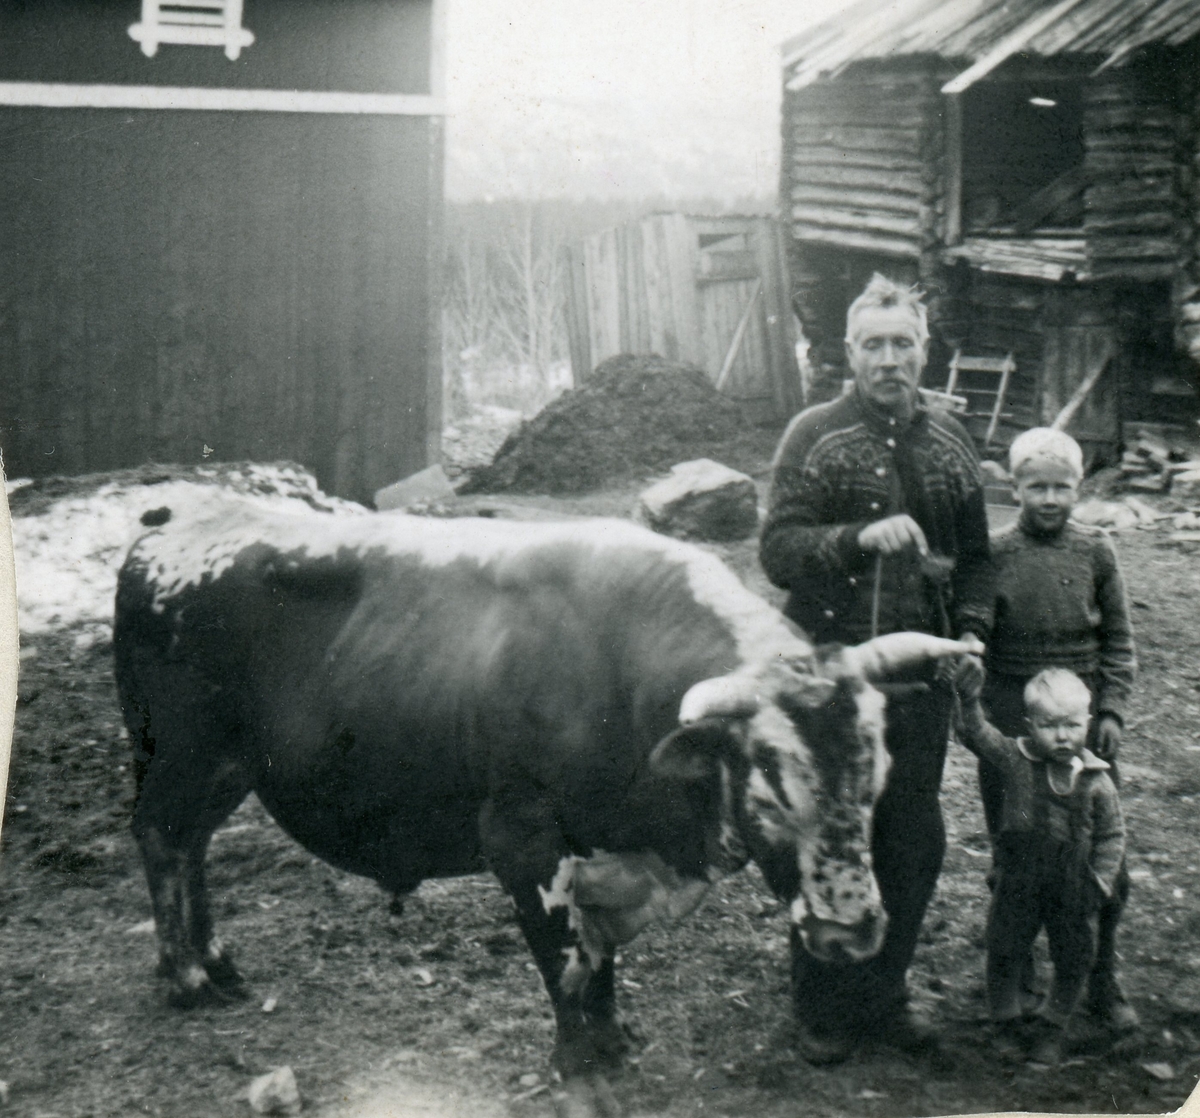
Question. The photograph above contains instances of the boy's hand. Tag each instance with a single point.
(1108, 737)
(968, 679)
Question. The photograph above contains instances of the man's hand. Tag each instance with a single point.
(893, 534)
(1108, 737)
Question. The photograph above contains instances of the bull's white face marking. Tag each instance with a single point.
(791, 804)
(609, 899)
(871, 704)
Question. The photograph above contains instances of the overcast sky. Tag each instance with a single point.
(617, 97)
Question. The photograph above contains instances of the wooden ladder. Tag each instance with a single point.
(985, 387)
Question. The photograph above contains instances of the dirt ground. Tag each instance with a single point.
(438, 1011)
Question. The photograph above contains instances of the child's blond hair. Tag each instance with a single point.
(1057, 687)
(1048, 445)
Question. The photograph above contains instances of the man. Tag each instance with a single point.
(876, 523)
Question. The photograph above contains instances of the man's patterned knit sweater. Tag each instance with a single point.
(845, 464)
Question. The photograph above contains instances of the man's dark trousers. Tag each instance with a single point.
(908, 843)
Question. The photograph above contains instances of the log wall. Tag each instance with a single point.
(862, 159)
(1131, 203)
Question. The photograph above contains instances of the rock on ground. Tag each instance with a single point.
(701, 500)
(430, 484)
(275, 1093)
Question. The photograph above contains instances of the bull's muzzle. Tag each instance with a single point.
(832, 942)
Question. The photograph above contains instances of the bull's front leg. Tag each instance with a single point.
(536, 868)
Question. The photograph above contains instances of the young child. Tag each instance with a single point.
(1060, 844)
(1060, 602)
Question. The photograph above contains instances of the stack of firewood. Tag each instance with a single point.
(1150, 463)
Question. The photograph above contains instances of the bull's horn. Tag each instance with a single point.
(726, 696)
(884, 656)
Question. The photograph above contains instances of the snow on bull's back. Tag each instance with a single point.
(203, 540)
(68, 553)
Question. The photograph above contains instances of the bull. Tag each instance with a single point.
(606, 719)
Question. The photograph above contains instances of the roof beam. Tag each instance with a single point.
(1011, 44)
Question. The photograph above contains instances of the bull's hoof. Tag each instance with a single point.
(226, 977)
(907, 1030)
(822, 1049)
(193, 988)
(613, 1039)
(586, 1096)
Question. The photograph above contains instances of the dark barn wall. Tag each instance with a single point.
(256, 282)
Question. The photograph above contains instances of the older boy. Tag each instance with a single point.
(1060, 845)
(1060, 602)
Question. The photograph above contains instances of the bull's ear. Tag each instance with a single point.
(690, 753)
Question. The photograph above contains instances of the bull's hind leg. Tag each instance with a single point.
(181, 801)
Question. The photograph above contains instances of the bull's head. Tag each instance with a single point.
(796, 747)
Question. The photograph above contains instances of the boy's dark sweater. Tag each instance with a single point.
(1061, 602)
(1086, 818)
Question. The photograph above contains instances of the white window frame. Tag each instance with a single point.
(197, 23)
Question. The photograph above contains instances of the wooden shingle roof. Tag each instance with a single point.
(986, 32)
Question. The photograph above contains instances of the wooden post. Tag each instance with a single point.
(954, 168)
(579, 338)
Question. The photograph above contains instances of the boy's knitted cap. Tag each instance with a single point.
(1046, 444)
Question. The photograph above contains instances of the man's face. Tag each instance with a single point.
(886, 355)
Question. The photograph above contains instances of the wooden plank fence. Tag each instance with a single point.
(706, 291)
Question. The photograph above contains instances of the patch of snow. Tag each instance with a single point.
(68, 556)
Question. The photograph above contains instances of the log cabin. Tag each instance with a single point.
(1035, 167)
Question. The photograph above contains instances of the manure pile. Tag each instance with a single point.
(635, 415)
